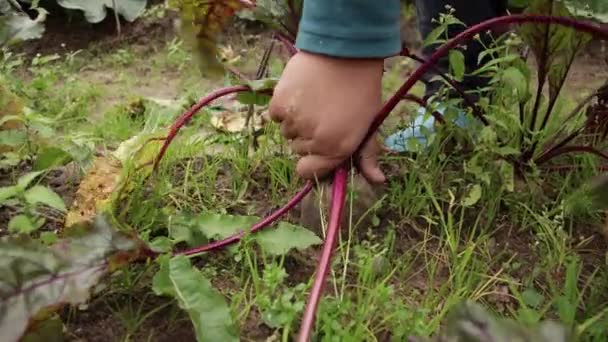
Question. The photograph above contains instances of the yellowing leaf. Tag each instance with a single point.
(229, 121)
(11, 108)
(96, 188)
(233, 118)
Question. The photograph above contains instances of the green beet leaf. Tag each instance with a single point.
(286, 237)
(17, 26)
(194, 293)
(555, 48)
(218, 226)
(96, 10)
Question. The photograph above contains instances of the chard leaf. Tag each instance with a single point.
(35, 279)
(95, 11)
(194, 293)
(555, 48)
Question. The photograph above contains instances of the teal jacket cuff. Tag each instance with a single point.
(350, 28)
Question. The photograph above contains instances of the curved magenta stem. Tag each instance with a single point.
(335, 215)
(267, 221)
(466, 97)
(468, 34)
(184, 118)
(340, 176)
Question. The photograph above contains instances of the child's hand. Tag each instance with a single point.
(325, 106)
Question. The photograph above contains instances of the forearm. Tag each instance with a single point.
(350, 28)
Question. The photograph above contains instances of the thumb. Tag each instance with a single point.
(368, 162)
(313, 165)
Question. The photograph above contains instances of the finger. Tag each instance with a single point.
(288, 129)
(276, 112)
(302, 146)
(316, 167)
(368, 162)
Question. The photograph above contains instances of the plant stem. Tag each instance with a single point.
(337, 204)
(260, 225)
(117, 19)
(468, 34)
(572, 135)
(570, 149)
(422, 102)
(184, 118)
(466, 97)
(287, 43)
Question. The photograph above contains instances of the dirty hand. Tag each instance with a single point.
(325, 107)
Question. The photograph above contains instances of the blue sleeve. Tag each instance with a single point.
(350, 28)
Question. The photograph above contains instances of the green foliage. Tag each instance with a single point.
(96, 11)
(42, 195)
(285, 237)
(206, 307)
(22, 196)
(35, 279)
(32, 130)
(555, 48)
(195, 229)
(17, 26)
(280, 305)
(457, 64)
(595, 9)
(257, 94)
(470, 322)
(49, 157)
(278, 15)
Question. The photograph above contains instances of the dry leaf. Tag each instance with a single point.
(95, 190)
(10, 107)
(234, 118)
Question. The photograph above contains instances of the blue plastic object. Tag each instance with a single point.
(398, 142)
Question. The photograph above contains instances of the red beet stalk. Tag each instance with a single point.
(400, 94)
(267, 221)
(337, 204)
(339, 188)
(468, 34)
(185, 118)
(323, 266)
